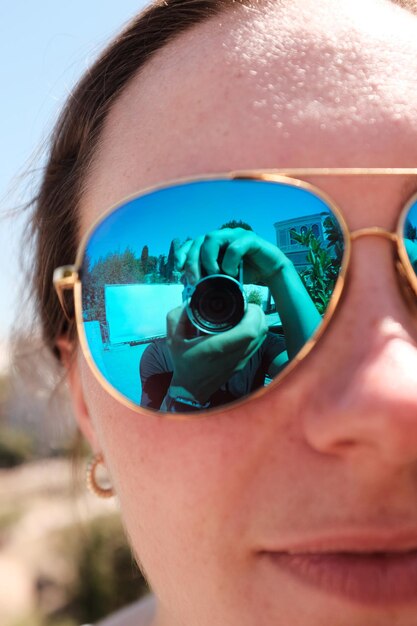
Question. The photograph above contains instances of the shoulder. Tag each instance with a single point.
(140, 613)
(156, 347)
(154, 357)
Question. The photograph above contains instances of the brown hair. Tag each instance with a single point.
(75, 138)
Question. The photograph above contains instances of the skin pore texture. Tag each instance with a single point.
(334, 448)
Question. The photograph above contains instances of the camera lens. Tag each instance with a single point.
(217, 304)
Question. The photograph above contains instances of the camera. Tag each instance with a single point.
(216, 303)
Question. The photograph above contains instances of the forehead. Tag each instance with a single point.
(289, 84)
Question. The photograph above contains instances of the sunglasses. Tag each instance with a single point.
(206, 292)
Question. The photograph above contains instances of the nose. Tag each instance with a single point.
(363, 393)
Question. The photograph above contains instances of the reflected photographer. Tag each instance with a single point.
(218, 347)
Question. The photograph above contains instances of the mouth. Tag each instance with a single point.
(360, 569)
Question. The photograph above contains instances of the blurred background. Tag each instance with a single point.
(64, 560)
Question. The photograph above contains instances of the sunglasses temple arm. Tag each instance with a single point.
(64, 279)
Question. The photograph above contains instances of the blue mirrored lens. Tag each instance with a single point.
(196, 295)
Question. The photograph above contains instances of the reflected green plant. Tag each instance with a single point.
(324, 262)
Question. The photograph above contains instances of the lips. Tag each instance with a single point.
(372, 568)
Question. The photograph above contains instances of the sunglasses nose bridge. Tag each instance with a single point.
(373, 231)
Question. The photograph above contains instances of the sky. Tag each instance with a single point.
(192, 210)
(45, 46)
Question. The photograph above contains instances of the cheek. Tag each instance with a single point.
(195, 486)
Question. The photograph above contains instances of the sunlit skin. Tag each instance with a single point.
(335, 446)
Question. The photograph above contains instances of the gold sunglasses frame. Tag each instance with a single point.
(67, 277)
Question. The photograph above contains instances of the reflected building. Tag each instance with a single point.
(296, 252)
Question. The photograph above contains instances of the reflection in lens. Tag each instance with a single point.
(132, 285)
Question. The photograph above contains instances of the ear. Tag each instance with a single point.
(69, 358)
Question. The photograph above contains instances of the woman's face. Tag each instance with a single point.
(332, 452)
